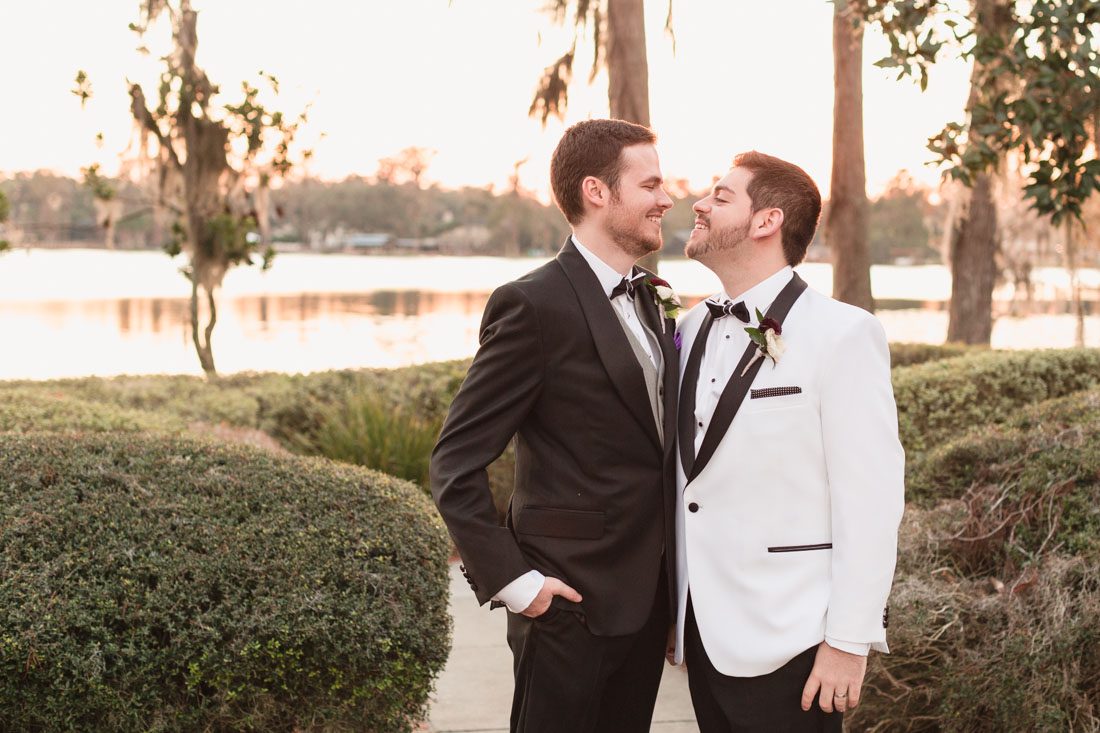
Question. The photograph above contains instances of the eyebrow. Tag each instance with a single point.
(726, 189)
(653, 179)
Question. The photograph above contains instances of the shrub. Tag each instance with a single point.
(164, 583)
(996, 608)
(25, 410)
(908, 354)
(293, 409)
(362, 429)
(1033, 442)
(940, 400)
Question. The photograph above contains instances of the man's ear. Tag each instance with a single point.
(595, 192)
(768, 222)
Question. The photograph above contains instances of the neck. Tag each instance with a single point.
(739, 277)
(599, 243)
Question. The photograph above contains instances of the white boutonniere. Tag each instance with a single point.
(665, 296)
(767, 337)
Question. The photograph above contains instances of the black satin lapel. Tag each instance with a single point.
(672, 382)
(728, 405)
(610, 339)
(686, 422)
(738, 386)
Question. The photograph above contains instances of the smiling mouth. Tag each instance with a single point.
(700, 225)
(655, 218)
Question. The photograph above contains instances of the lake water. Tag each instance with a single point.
(84, 312)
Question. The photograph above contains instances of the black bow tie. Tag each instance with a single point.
(726, 308)
(627, 286)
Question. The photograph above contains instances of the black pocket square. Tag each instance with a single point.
(757, 394)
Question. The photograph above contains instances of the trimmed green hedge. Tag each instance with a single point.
(940, 400)
(909, 354)
(163, 583)
(26, 410)
(289, 407)
(1035, 438)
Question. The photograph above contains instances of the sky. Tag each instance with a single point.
(457, 77)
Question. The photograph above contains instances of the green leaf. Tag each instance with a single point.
(757, 337)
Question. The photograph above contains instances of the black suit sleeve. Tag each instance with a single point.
(499, 391)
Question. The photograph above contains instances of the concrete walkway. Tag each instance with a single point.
(474, 693)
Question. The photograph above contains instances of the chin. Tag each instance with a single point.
(693, 248)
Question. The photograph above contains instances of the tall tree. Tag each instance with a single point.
(846, 226)
(1035, 86)
(219, 198)
(618, 35)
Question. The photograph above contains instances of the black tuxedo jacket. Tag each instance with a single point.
(594, 492)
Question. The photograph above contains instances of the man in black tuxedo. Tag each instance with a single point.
(578, 362)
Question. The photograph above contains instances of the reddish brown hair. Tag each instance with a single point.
(591, 148)
(777, 184)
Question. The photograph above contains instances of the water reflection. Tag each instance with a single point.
(73, 313)
(384, 328)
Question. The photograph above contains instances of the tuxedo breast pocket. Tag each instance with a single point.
(771, 398)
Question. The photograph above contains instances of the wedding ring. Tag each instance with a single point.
(839, 696)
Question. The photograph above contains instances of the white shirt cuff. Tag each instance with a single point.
(852, 647)
(518, 594)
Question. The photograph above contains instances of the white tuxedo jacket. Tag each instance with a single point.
(793, 533)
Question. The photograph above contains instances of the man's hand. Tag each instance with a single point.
(670, 646)
(834, 673)
(550, 587)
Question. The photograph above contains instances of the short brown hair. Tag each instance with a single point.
(777, 184)
(591, 148)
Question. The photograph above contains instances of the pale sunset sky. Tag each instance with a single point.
(458, 77)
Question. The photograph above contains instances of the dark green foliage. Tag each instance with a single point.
(940, 400)
(165, 583)
(1036, 72)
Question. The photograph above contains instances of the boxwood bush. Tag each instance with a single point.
(908, 354)
(37, 409)
(995, 612)
(159, 582)
(940, 400)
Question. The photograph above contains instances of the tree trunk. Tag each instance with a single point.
(628, 72)
(973, 266)
(974, 236)
(846, 231)
(627, 67)
(203, 349)
(1075, 285)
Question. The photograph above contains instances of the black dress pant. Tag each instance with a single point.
(770, 703)
(569, 680)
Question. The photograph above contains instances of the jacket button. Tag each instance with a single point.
(693, 507)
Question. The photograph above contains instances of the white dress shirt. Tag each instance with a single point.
(609, 277)
(726, 344)
(519, 594)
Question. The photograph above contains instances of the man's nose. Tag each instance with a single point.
(665, 201)
(700, 206)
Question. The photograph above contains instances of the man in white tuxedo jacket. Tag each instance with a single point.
(790, 478)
